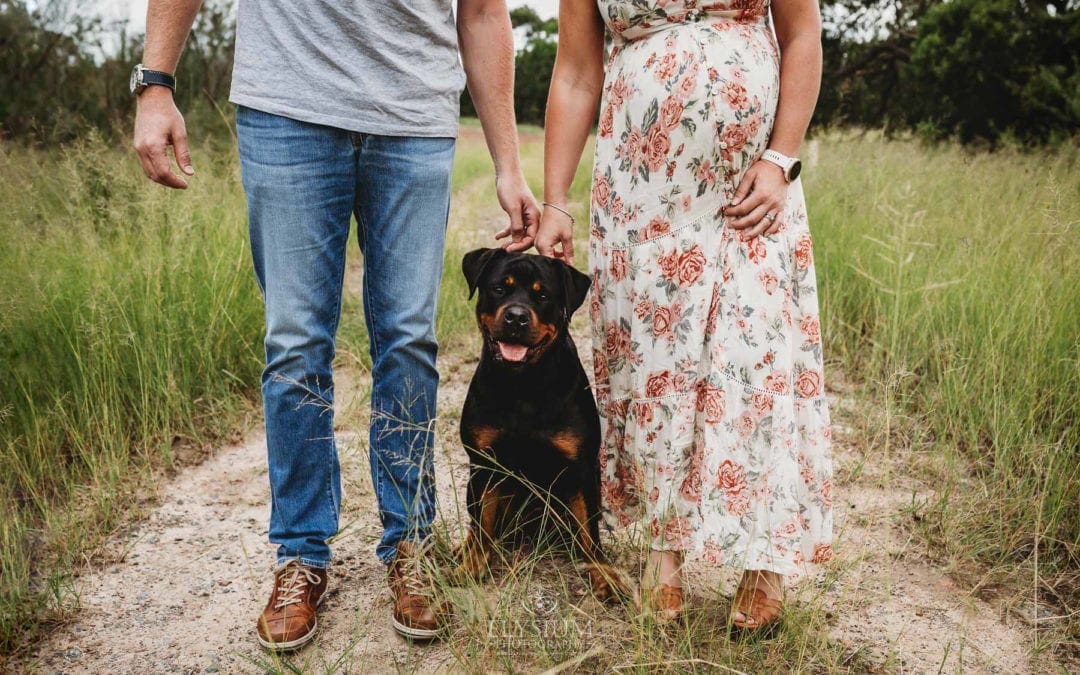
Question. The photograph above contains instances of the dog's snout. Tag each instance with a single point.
(516, 316)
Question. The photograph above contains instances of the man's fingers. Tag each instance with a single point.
(517, 229)
(180, 149)
(144, 163)
(523, 244)
(528, 237)
(568, 249)
(503, 233)
(161, 172)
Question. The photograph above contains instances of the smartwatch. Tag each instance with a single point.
(792, 167)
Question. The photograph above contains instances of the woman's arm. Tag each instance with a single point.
(571, 109)
(763, 188)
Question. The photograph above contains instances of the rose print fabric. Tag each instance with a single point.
(707, 350)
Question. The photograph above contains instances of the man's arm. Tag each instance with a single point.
(487, 52)
(158, 124)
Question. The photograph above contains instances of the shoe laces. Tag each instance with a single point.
(292, 585)
(411, 575)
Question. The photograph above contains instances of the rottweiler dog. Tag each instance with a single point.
(529, 424)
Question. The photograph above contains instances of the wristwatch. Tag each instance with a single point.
(142, 77)
(792, 166)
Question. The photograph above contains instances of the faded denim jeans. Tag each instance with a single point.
(303, 183)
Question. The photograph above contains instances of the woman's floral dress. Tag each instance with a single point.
(707, 350)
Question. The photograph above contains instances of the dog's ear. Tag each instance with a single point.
(575, 286)
(475, 262)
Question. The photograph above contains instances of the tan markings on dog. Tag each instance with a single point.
(476, 549)
(607, 583)
(509, 281)
(536, 286)
(547, 333)
(483, 437)
(567, 443)
(487, 322)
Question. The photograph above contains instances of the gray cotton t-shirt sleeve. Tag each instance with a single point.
(389, 68)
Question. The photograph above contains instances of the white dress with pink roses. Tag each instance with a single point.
(707, 350)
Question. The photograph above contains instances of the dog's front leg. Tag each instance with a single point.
(475, 552)
(607, 584)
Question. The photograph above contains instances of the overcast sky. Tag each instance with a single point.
(135, 10)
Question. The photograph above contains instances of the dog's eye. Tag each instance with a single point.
(498, 290)
(542, 296)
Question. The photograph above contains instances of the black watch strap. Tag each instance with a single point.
(150, 77)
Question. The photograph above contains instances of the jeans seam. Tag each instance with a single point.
(376, 476)
(310, 562)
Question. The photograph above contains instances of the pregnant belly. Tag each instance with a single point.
(685, 111)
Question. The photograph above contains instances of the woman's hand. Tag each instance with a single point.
(556, 229)
(758, 204)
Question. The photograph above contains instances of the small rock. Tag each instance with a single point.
(1036, 613)
(212, 668)
(72, 653)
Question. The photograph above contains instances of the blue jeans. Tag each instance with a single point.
(303, 183)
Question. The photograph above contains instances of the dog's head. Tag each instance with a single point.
(525, 301)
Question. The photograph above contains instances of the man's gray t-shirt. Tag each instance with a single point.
(382, 67)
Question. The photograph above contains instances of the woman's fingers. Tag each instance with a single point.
(739, 202)
(744, 205)
(761, 207)
(764, 227)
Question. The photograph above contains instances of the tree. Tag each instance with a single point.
(983, 68)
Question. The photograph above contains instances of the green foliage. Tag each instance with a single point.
(987, 68)
(973, 69)
(130, 326)
(57, 82)
(948, 282)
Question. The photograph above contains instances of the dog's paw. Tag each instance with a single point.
(608, 584)
(472, 567)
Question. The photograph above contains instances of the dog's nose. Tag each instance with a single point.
(516, 317)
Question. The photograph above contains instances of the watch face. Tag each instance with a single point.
(135, 82)
(795, 170)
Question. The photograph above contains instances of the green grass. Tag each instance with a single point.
(129, 325)
(949, 285)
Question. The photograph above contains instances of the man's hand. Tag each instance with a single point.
(518, 201)
(158, 124)
(556, 229)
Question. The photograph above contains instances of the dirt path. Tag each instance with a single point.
(181, 591)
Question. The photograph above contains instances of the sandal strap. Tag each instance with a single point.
(669, 596)
(758, 606)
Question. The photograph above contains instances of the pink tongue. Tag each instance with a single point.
(512, 352)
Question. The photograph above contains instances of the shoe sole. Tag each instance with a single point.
(298, 642)
(291, 644)
(415, 633)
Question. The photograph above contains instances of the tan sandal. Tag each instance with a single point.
(759, 609)
(666, 602)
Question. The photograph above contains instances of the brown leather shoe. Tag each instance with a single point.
(288, 621)
(417, 614)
